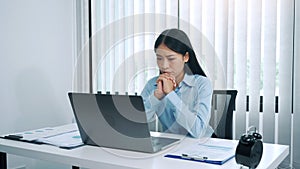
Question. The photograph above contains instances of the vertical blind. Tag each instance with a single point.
(255, 38)
(244, 45)
(81, 62)
(124, 37)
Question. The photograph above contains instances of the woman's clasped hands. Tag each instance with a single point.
(165, 84)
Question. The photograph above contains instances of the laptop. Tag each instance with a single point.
(115, 121)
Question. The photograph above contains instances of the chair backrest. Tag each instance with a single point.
(223, 105)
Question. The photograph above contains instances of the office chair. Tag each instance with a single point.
(223, 104)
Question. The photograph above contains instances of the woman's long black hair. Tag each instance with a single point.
(178, 41)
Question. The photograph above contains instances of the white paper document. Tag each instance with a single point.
(66, 136)
(209, 152)
(64, 140)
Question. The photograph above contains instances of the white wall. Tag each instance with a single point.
(36, 65)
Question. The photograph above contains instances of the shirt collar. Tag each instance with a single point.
(188, 80)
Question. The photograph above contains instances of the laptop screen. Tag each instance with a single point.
(116, 121)
(124, 113)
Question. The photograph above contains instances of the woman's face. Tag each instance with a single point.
(171, 62)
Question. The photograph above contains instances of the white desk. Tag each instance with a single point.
(97, 157)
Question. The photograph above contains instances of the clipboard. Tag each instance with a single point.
(209, 152)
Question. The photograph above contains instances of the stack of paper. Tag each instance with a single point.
(66, 136)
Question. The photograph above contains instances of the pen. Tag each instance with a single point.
(193, 157)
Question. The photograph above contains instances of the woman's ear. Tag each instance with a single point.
(186, 57)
